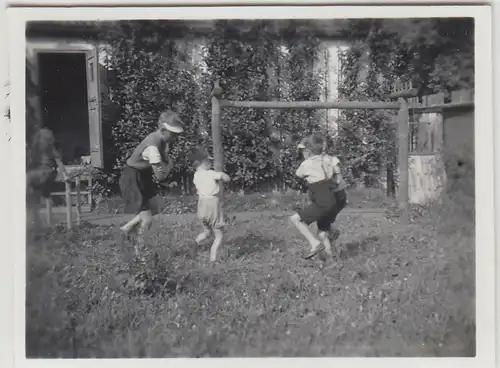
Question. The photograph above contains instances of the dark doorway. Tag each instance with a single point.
(63, 85)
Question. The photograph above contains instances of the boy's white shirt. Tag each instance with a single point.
(314, 168)
(206, 183)
(152, 155)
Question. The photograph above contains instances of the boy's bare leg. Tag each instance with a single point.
(323, 235)
(131, 225)
(215, 246)
(203, 235)
(144, 225)
(305, 231)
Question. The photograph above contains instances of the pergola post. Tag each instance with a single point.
(218, 149)
(403, 91)
(403, 158)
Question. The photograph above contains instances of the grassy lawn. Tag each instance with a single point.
(394, 290)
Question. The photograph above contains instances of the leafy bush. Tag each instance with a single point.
(152, 71)
(150, 76)
(255, 67)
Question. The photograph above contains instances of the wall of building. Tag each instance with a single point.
(440, 145)
(328, 66)
(459, 133)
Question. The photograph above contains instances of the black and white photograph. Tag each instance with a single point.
(250, 185)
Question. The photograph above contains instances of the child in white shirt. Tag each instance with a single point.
(210, 212)
(326, 191)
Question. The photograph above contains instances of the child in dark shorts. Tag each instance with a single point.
(326, 191)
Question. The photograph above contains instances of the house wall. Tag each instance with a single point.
(444, 142)
(459, 133)
(328, 66)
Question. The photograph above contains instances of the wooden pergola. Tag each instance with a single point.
(401, 92)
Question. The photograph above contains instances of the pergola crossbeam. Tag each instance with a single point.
(310, 105)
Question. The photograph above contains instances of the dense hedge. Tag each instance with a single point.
(256, 67)
(152, 71)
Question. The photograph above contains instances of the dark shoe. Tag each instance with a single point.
(318, 249)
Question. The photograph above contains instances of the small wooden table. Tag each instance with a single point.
(77, 174)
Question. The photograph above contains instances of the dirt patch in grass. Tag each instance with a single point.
(394, 290)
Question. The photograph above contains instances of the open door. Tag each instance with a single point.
(94, 109)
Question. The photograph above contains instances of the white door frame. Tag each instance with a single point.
(36, 47)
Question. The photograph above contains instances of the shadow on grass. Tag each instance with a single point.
(355, 248)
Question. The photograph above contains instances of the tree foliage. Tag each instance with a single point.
(150, 74)
(152, 71)
(437, 55)
(259, 66)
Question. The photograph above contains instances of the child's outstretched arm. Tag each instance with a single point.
(222, 176)
(162, 164)
(303, 170)
(162, 169)
(166, 170)
(170, 165)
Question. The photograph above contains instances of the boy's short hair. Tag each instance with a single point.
(314, 143)
(198, 155)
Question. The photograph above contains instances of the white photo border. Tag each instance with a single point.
(485, 251)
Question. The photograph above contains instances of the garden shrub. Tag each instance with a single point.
(152, 72)
(150, 76)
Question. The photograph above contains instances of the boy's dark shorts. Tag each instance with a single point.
(324, 212)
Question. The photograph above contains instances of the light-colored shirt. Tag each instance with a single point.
(319, 167)
(206, 182)
(152, 155)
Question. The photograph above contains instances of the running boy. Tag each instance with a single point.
(210, 211)
(326, 191)
(149, 159)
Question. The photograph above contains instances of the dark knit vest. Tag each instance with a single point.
(136, 161)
